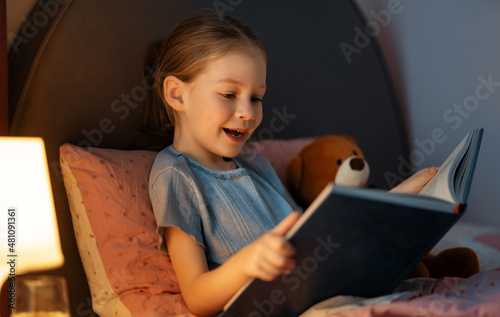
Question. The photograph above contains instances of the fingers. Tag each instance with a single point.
(269, 272)
(285, 224)
(273, 257)
(431, 172)
(416, 182)
(270, 268)
(422, 178)
(275, 245)
(425, 174)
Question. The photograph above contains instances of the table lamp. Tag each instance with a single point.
(29, 236)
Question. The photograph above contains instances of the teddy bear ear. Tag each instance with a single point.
(294, 172)
(350, 138)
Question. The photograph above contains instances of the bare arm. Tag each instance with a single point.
(206, 292)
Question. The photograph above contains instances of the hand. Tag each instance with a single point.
(271, 255)
(415, 183)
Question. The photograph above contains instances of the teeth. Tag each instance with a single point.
(233, 133)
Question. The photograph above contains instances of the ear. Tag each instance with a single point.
(172, 92)
(349, 138)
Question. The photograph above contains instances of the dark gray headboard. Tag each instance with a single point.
(77, 79)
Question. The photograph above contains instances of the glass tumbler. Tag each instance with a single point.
(41, 296)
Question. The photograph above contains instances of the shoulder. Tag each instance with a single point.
(172, 176)
(169, 164)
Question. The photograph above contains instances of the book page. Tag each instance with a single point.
(441, 186)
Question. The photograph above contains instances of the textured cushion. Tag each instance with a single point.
(115, 231)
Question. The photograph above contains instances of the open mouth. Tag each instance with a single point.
(233, 133)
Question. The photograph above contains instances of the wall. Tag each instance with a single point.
(17, 11)
(441, 55)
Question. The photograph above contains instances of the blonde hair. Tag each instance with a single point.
(185, 54)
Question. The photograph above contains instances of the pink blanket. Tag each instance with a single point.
(478, 295)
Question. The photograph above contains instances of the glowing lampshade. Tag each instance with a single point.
(29, 236)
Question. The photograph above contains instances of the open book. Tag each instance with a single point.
(453, 180)
(363, 242)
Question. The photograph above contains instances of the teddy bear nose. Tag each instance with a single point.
(357, 164)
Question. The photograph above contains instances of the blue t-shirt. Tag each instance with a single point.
(223, 210)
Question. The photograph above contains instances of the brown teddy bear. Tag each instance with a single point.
(328, 158)
(338, 159)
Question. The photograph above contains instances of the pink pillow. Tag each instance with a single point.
(115, 227)
(278, 152)
(115, 231)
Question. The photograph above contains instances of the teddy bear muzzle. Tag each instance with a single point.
(353, 172)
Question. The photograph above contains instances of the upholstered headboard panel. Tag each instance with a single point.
(75, 76)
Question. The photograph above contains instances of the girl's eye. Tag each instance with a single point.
(256, 99)
(228, 96)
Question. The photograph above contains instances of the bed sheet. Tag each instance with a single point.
(478, 295)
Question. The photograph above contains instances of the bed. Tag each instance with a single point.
(76, 81)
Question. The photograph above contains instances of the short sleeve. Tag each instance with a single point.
(175, 202)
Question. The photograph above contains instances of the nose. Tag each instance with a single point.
(245, 111)
(357, 164)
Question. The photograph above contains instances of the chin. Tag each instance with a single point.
(232, 153)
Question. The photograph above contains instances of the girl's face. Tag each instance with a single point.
(222, 108)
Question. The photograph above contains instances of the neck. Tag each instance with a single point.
(218, 163)
(214, 162)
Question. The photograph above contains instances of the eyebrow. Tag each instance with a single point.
(237, 82)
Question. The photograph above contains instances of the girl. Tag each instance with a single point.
(221, 215)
